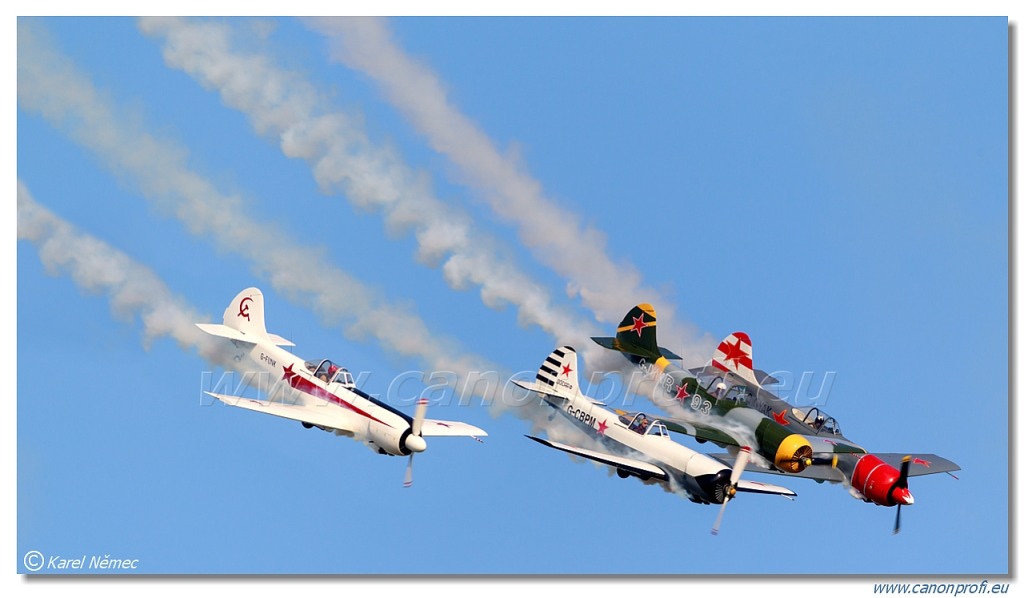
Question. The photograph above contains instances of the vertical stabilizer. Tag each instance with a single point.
(243, 321)
(637, 337)
(639, 330)
(558, 373)
(736, 355)
(245, 313)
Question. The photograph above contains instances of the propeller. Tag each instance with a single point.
(900, 492)
(737, 470)
(415, 442)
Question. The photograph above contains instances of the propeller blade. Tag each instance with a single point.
(741, 463)
(901, 482)
(742, 458)
(718, 520)
(419, 416)
(417, 444)
(408, 472)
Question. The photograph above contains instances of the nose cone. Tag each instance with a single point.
(415, 444)
(902, 496)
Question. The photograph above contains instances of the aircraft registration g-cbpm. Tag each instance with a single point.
(322, 394)
(635, 445)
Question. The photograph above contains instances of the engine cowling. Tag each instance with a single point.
(793, 454)
(715, 486)
(393, 441)
(876, 480)
(789, 452)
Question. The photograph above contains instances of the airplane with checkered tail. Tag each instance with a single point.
(319, 393)
(638, 446)
(730, 394)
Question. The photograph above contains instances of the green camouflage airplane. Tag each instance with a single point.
(730, 407)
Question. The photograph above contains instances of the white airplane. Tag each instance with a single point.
(639, 446)
(321, 394)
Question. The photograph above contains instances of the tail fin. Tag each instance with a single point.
(637, 335)
(558, 372)
(736, 355)
(245, 315)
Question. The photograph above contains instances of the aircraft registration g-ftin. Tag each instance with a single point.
(321, 394)
(638, 446)
(804, 442)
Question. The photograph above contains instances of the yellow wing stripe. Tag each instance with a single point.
(630, 327)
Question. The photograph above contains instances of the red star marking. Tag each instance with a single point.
(832, 442)
(922, 462)
(566, 370)
(681, 392)
(780, 417)
(639, 324)
(601, 427)
(442, 424)
(289, 374)
(734, 353)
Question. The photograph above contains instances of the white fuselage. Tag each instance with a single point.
(366, 419)
(683, 464)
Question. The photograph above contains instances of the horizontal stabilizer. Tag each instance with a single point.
(630, 349)
(320, 415)
(236, 335)
(226, 332)
(538, 388)
(279, 341)
(634, 466)
(763, 377)
(436, 427)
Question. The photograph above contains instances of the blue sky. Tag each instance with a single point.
(834, 187)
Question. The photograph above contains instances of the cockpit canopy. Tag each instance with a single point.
(818, 420)
(729, 391)
(328, 373)
(645, 426)
(738, 392)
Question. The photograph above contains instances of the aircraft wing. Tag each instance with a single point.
(760, 488)
(436, 427)
(920, 463)
(327, 417)
(821, 473)
(634, 466)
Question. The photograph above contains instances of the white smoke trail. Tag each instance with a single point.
(559, 240)
(134, 290)
(282, 105)
(49, 84)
